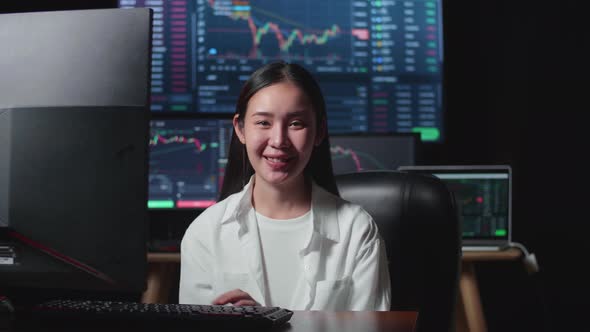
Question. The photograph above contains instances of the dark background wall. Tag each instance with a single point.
(515, 94)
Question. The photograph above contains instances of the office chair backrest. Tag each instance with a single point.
(417, 218)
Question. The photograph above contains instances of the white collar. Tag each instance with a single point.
(324, 207)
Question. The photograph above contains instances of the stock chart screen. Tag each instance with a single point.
(187, 162)
(379, 63)
(483, 203)
(355, 153)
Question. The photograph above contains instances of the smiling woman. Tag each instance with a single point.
(280, 235)
(306, 99)
(280, 133)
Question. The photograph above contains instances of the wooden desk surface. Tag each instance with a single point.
(163, 257)
(502, 255)
(469, 256)
(351, 321)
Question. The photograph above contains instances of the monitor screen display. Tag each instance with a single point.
(483, 195)
(483, 201)
(379, 63)
(356, 153)
(187, 162)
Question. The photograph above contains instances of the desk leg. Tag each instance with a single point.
(470, 300)
(159, 281)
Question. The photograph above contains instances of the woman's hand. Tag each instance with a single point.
(236, 297)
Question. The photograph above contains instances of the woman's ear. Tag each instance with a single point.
(239, 129)
(321, 133)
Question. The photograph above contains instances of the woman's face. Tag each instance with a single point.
(280, 132)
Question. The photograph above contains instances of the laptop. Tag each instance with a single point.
(483, 194)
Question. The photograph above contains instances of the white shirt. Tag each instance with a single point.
(281, 242)
(344, 261)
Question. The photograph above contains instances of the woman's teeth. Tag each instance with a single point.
(276, 160)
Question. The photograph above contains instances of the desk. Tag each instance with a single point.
(162, 267)
(302, 321)
(470, 315)
(352, 321)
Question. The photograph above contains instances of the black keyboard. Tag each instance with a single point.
(162, 317)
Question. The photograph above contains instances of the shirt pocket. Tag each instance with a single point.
(332, 294)
(233, 281)
(202, 292)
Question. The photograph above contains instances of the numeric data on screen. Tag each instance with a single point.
(379, 63)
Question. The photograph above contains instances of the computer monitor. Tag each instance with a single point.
(357, 153)
(188, 154)
(483, 194)
(379, 63)
(187, 161)
(74, 127)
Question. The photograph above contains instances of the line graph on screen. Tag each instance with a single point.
(242, 30)
(354, 160)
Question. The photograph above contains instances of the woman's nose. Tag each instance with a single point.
(279, 137)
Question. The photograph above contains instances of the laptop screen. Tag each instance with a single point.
(483, 197)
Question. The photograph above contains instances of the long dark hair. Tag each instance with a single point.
(319, 168)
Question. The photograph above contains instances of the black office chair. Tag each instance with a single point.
(417, 218)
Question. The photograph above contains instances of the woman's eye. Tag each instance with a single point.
(262, 123)
(297, 124)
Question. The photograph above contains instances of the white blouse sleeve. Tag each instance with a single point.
(371, 289)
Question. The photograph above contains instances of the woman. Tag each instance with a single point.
(280, 235)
